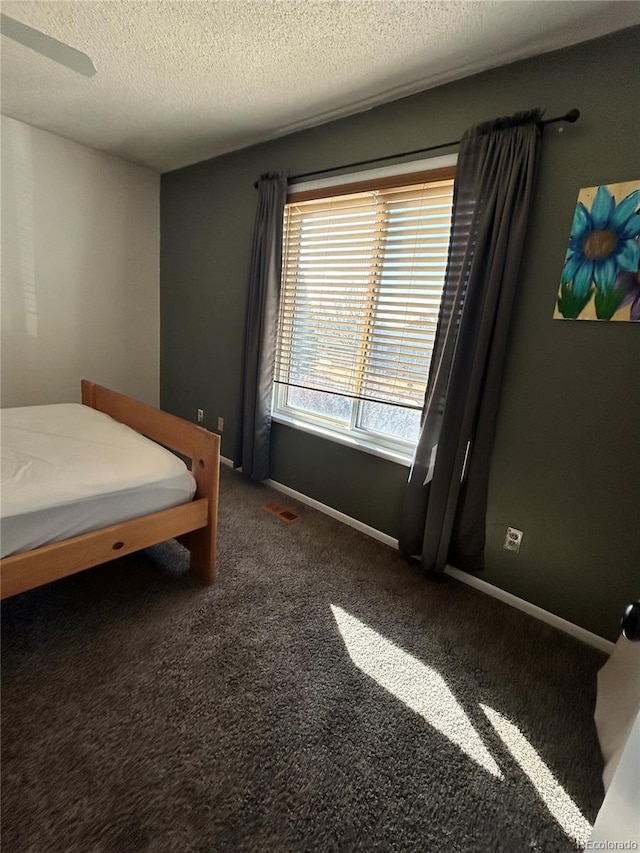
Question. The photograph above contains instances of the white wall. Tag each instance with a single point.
(80, 270)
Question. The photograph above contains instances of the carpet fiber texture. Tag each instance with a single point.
(322, 696)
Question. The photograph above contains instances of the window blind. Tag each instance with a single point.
(362, 281)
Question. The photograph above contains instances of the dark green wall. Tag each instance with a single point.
(566, 463)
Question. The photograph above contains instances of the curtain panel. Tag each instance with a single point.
(444, 508)
(261, 326)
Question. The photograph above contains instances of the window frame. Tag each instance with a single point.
(352, 434)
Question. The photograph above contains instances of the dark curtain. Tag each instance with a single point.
(260, 331)
(443, 517)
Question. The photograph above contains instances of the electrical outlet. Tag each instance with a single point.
(220, 424)
(200, 415)
(513, 539)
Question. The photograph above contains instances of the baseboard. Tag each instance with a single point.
(334, 513)
(327, 510)
(533, 610)
(464, 577)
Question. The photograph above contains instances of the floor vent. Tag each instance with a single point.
(282, 513)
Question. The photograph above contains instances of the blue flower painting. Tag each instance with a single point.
(601, 273)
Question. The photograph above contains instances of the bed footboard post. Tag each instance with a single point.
(88, 393)
(206, 470)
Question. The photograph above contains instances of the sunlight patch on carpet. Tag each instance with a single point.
(564, 810)
(420, 688)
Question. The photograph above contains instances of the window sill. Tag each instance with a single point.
(348, 440)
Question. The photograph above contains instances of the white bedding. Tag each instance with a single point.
(68, 469)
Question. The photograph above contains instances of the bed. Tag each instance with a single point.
(57, 520)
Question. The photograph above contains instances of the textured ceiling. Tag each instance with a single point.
(179, 82)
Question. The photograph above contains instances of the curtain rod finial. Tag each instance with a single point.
(572, 115)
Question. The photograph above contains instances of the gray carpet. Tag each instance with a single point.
(322, 696)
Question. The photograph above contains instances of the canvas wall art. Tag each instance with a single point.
(601, 274)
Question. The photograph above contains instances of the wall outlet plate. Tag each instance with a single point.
(220, 424)
(513, 539)
(200, 415)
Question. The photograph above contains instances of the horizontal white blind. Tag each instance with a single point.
(362, 281)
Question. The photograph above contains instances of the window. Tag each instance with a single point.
(362, 279)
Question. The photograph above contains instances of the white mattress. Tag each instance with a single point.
(68, 469)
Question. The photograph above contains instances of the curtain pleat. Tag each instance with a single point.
(261, 327)
(444, 508)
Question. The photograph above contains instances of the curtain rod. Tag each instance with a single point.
(571, 116)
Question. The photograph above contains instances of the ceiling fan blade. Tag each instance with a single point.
(48, 46)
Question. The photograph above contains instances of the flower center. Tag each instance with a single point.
(600, 244)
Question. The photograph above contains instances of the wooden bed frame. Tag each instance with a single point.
(195, 523)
